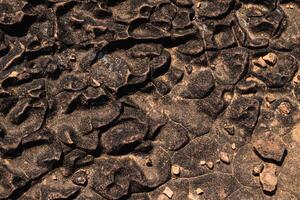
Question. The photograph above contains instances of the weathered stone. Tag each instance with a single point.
(224, 157)
(199, 191)
(168, 192)
(175, 170)
(260, 62)
(258, 169)
(270, 146)
(268, 178)
(210, 165)
(270, 58)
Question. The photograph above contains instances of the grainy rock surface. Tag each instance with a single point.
(149, 99)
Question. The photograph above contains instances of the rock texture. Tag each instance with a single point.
(149, 99)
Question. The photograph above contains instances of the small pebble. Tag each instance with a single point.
(260, 62)
(290, 6)
(228, 96)
(270, 58)
(224, 157)
(270, 98)
(210, 165)
(199, 191)
(14, 74)
(257, 169)
(168, 192)
(233, 146)
(262, 125)
(96, 83)
(72, 58)
(202, 162)
(175, 170)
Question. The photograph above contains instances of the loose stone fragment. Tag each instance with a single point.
(14, 74)
(199, 191)
(175, 170)
(224, 157)
(202, 162)
(168, 192)
(270, 146)
(268, 178)
(258, 169)
(210, 165)
(270, 58)
(260, 62)
(270, 98)
(233, 146)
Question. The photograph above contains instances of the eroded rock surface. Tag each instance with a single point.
(149, 99)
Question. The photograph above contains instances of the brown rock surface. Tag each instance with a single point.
(268, 178)
(270, 146)
(149, 99)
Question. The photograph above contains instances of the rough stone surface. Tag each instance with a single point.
(149, 99)
(268, 178)
(270, 146)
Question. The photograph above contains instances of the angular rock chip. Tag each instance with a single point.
(280, 74)
(179, 188)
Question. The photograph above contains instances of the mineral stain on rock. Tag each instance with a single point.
(149, 100)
